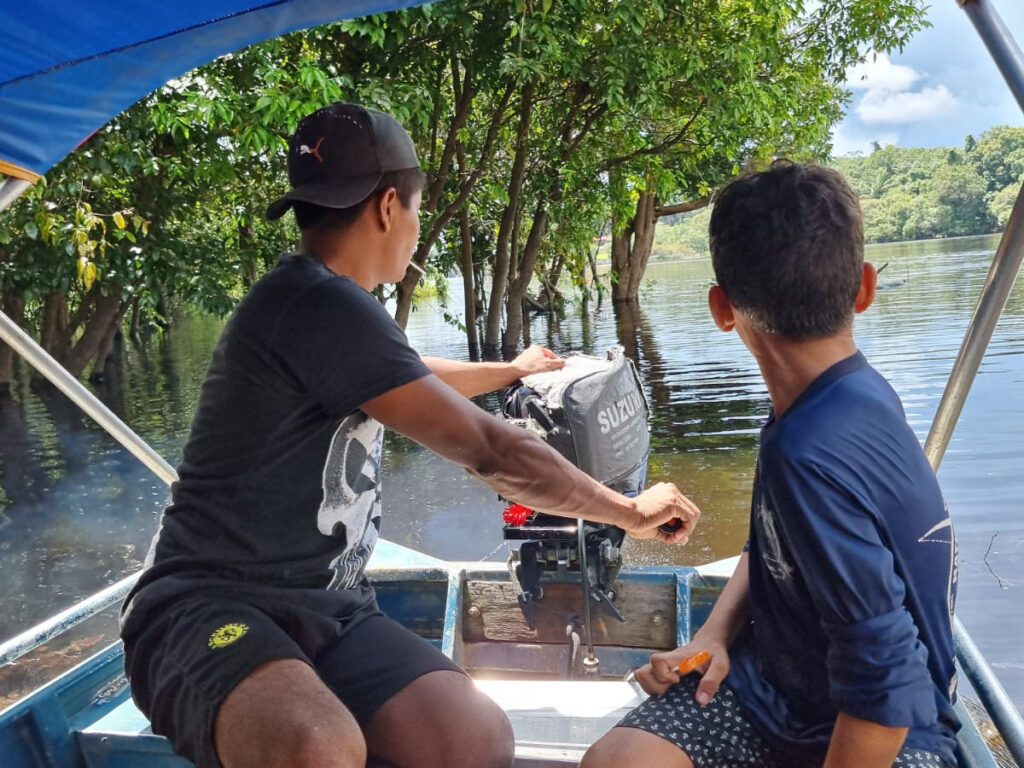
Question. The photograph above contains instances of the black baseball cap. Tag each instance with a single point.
(339, 154)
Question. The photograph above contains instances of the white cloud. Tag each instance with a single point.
(906, 106)
(889, 98)
(880, 74)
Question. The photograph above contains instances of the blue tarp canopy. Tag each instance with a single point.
(67, 68)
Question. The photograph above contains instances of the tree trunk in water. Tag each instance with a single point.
(53, 335)
(502, 255)
(135, 327)
(631, 249)
(14, 308)
(514, 250)
(517, 288)
(108, 372)
(468, 288)
(106, 346)
(109, 310)
(554, 298)
(643, 240)
(480, 268)
(163, 310)
(404, 290)
(621, 243)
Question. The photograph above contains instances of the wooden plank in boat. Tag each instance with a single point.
(490, 612)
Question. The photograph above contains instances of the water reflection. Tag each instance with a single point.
(76, 512)
(638, 339)
(24, 478)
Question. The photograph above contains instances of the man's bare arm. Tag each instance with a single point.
(518, 464)
(472, 379)
(860, 743)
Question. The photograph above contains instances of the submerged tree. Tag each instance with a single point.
(537, 122)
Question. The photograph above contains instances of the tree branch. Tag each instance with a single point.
(686, 207)
(676, 138)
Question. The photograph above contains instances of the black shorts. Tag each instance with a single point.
(719, 735)
(193, 652)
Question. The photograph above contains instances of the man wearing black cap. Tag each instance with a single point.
(253, 638)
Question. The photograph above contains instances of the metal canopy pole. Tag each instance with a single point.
(11, 190)
(39, 359)
(1000, 43)
(1001, 277)
(1006, 264)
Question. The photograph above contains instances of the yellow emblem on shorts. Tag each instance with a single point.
(226, 635)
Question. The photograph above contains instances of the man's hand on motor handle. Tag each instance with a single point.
(659, 505)
(709, 659)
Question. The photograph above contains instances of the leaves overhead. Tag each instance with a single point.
(668, 97)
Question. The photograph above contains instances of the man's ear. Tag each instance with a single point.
(721, 308)
(385, 208)
(868, 286)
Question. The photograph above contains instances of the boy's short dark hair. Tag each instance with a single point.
(787, 246)
(312, 216)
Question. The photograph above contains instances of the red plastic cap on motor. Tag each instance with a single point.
(517, 514)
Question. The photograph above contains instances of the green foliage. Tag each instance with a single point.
(685, 237)
(1001, 203)
(670, 97)
(914, 193)
(999, 156)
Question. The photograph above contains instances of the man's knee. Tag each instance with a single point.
(283, 716)
(603, 754)
(488, 742)
(442, 720)
(628, 747)
(308, 744)
(319, 745)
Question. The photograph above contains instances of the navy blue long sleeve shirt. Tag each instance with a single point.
(852, 573)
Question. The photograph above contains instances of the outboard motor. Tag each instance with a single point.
(592, 411)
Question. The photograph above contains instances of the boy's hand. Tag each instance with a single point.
(536, 359)
(659, 504)
(661, 673)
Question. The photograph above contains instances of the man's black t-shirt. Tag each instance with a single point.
(280, 481)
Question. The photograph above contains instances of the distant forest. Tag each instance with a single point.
(907, 193)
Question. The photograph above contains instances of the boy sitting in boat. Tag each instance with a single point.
(253, 638)
(831, 644)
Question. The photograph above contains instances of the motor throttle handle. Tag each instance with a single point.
(671, 526)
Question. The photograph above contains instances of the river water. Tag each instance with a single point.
(77, 512)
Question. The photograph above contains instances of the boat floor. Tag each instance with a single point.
(554, 723)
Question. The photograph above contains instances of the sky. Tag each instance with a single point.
(941, 87)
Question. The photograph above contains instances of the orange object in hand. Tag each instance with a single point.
(690, 663)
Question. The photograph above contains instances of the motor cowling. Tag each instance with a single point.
(592, 411)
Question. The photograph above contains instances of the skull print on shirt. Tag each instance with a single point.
(351, 502)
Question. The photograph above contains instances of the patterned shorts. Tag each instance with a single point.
(720, 735)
